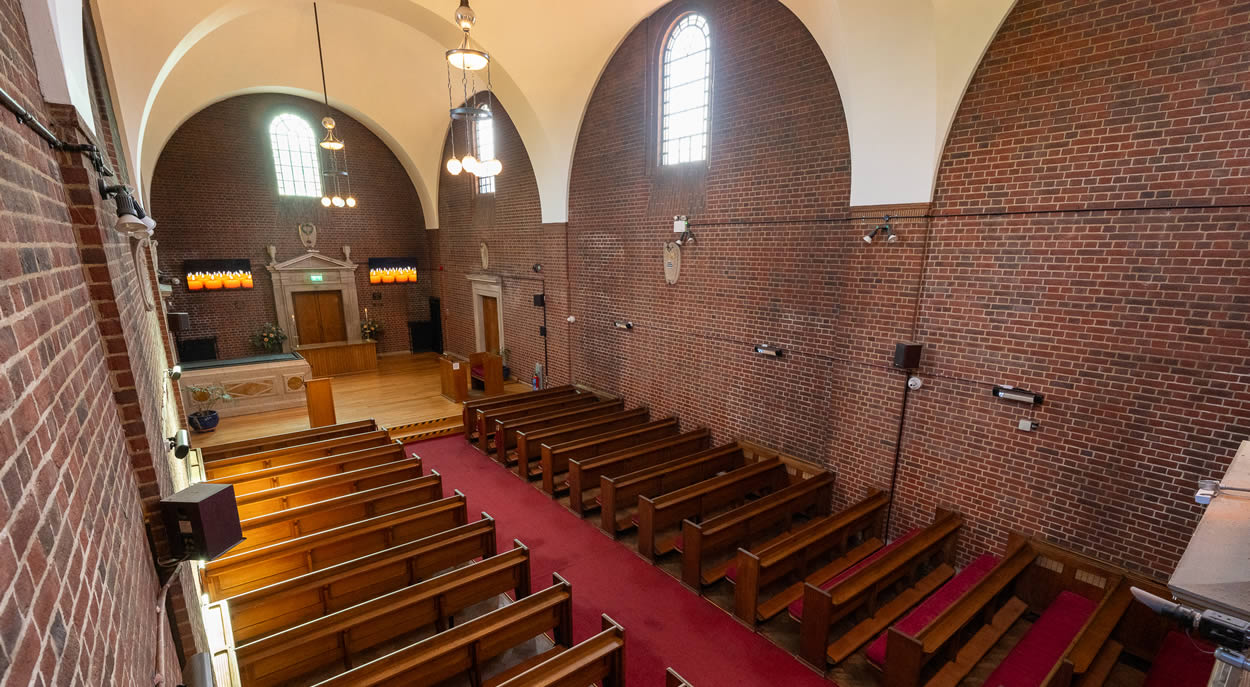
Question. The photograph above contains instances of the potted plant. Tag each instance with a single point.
(205, 399)
(370, 329)
(269, 339)
(507, 371)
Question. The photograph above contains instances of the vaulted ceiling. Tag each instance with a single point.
(901, 67)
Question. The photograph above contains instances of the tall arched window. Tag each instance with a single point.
(295, 156)
(484, 133)
(686, 92)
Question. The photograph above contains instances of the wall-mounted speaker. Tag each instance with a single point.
(201, 521)
(907, 355)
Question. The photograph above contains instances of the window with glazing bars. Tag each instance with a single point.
(686, 92)
(485, 135)
(295, 156)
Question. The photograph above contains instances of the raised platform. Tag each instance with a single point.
(257, 384)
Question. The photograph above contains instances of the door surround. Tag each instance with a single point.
(296, 274)
(490, 286)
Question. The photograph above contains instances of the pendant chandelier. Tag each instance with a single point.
(469, 61)
(336, 168)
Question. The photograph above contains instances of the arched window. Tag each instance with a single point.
(484, 133)
(686, 92)
(295, 156)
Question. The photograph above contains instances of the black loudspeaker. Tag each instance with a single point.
(179, 322)
(540, 300)
(907, 355)
(201, 521)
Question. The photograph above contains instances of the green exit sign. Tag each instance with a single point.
(316, 277)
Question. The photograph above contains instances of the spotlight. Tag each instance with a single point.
(890, 236)
(180, 444)
(623, 325)
(174, 372)
(871, 235)
(768, 350)
(1008, 393)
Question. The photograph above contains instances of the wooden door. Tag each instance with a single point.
(490, 323)
(319, 317)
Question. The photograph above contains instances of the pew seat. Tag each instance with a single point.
(1182, 661)
(1044, 643)
(933, 606)
(211, 454)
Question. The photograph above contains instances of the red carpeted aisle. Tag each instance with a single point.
(665, 623)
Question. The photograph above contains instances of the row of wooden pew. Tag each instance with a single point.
(357, 570)
(764, 522)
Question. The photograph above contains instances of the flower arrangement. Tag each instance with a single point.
(370, 329)
(269, 338)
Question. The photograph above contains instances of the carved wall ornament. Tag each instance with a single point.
(308, 235)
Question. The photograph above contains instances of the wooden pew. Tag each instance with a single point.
(303, 471)
(251, 462)
(599, 660)
(529, 442)
(618, 494)
(340, 510)
(847, 537)
(337, 638)
(506, 430)
(487, 418)
(255, 568)
(303, 493)
(262, 612)
(210, 454)
(487, 368)
(555, 457)
(773, 514)
(584, 473)
(672, 679)
(701, 500)
(915, 564)
(1030, 577)
(469, 408)
(465, 648)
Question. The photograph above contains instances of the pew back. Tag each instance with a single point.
(599, 660)
(261, 612)
(486, 418)
(703, 499)
(323, 515)
(617, 493)
(210, 454)
(555, 458)
(250, 462)
(529, 442)
(506, 430)
(468, 409)
(464, 648)
(338, 636)
(264, 565)
(584, 473)
(303, 493)
(703, 541)
(294, 473)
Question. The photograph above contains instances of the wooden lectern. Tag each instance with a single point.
(454, 375)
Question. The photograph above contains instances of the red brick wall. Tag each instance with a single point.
(77, 584)
(510, 223)
(765, 265)
(215, 196)
(1131, 320)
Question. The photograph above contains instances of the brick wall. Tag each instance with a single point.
(215, 195)
(77, 584)
(509, 222)
(1079, 245)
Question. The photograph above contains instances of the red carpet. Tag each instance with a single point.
(665, 623)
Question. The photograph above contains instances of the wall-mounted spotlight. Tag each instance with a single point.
(174, 372)
(180, 444)
(681, 225)
(884, 230)
(1210, 488)
(538, 267)
(770, 351)
(621, 324)
(1008, 393)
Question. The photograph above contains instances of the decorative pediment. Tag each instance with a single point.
(312, 260)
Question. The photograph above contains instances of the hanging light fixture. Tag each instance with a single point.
(336, 168)
(468, 60)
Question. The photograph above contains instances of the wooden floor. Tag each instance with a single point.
(404, 389)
